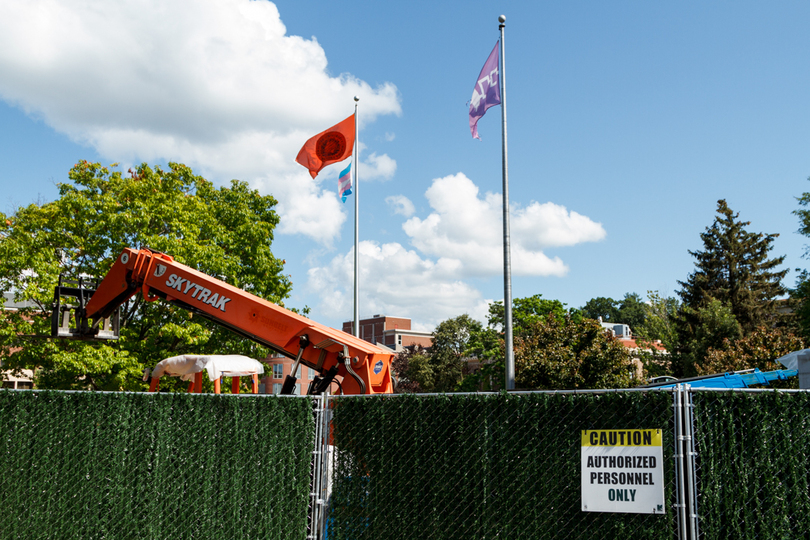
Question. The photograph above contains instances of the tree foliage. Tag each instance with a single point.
(559, 353)
(660, 318)
(732, 290)
(734, 268)
(758, 349)
(525, 312)
(713, 327)
(801, 294)
(602, 307)
(441, 368)
(413, 371)
(630, 310)
(224, 232)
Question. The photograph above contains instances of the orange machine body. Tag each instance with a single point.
(365, 368)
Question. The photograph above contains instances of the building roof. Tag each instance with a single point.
(631, 344)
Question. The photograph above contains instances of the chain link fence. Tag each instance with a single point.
(484, 466)
(153, 466)
(753, 464)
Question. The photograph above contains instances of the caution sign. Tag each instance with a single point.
(622, 471)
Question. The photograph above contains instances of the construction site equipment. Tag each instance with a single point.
(734, 379)
(92, 313)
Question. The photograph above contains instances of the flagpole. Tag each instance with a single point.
(356, 224)
(507, 263)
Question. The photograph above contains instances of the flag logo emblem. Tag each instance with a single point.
(330, 146)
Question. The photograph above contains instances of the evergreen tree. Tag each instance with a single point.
(734, 268)
(734, 279)
(801, 294)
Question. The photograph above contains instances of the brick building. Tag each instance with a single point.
(393, 333)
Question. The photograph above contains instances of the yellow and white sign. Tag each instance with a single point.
(622, 471)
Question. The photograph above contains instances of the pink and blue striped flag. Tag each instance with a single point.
(345, 183)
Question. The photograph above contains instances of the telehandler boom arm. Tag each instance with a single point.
(365, 368)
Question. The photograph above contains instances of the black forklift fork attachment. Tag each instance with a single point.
(68, 319)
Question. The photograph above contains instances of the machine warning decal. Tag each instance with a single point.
(378, 367)
(160, 270)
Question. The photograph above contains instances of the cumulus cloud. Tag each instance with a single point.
(378, 167)
(397, 282)
(465, 231)
(400, 204)
(216, 84)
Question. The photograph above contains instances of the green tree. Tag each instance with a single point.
(606, 308)
(734, 268)
(224, 232)
(659, 321)
(801, 294)
(413, 370)
(451, 341)
(525, 312)
(714, 327)
(659, 326)
(559, 353)
(758, 349)
(487, 345)
(632, 311)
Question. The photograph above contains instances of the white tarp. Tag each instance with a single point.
(217, 365)
(791, 360)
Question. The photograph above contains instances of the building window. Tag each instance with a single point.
(310, 373)
(278, 372)
(399, 339)
(276, 388)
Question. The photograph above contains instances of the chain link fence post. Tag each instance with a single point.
(691, 455)
(677, 398)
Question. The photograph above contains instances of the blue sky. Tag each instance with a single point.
(627, 121)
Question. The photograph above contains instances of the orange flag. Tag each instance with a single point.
(327, 147)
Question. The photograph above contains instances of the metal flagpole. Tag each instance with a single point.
(356, 224)
(507, 264)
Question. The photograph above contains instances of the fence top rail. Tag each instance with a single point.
(519, 392)
(750, 390)
(36, 390)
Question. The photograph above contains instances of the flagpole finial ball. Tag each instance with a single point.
(502, 19)
(356, 98)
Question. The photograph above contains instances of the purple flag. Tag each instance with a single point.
(487, 91)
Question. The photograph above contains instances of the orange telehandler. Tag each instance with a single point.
(364, 367)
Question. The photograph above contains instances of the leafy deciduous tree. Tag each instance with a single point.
(758, 349)
(224, 232)
(559, 353)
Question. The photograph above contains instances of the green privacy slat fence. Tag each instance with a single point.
(484, 466)
(753, 464)
(153, 466)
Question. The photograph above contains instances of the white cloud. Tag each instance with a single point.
(400, 204)
(376, 166)
(466, 231)
(216, 84)
(397, 282)
(389, 136)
